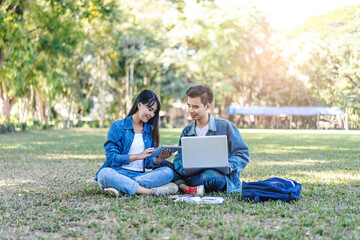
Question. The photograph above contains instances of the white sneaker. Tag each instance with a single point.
(112, 192)
(200, 191)
(170, 188)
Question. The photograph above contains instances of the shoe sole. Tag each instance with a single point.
(111, 193)
(169, 189)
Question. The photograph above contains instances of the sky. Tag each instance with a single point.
(284, 15)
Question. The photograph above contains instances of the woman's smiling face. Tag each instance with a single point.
(146, 112)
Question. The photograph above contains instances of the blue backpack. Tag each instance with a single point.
(271, 189)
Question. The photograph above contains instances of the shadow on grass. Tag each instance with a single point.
(331, 155)
(303, 140)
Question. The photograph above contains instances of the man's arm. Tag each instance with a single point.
(239, 151)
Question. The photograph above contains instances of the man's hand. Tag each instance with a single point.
(162, 156)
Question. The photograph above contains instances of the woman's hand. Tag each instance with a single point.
(162, 156)
(142, 155)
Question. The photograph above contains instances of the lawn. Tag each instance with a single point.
(47, 191)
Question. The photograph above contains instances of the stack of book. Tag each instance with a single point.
(198, 200)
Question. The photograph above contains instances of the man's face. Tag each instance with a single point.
(196, 108)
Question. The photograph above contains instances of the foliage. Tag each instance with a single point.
(7, 128)
(72, 60)
(16, 54)
(333, 68)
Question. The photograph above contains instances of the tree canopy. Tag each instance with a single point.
(65, 61)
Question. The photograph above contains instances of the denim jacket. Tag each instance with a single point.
(238, 151)
(120, 137)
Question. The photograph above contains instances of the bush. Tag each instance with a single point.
(47, 126)
(36, 125)
(3, 128)
(80, 124)
(8, 128)
(23, 127)
(95, 124)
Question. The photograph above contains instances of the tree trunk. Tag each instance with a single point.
(273, 122)
(159, 80)
(102, 94)
(172, 114)
(2, 56)
(131, 81)
(308, 99)
(23, 109)
(32, 102)
(347, 118)
(146, 81)
(1, 100)
(212, 108)
(40, 107)
(68, 118)
(127, 94)
(87, 97)
(121, 113)
(318, 121)
(340, 122)
(222, 107)
(7, 108)
(79, 110)
(7, 102)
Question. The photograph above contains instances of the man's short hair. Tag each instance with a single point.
(203, 91)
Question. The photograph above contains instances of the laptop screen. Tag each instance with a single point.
(205, 152)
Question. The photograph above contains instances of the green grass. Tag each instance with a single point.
(47, 191)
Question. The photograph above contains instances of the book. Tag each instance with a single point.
(197, 200)
(163, 147)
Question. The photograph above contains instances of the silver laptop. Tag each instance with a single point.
(203, 152)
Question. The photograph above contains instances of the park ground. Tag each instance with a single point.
(47, 190)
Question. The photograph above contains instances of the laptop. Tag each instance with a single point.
(203, 152)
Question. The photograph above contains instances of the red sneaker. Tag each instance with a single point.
(199, 190)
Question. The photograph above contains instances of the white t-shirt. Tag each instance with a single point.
(202, 131)
(137, 147)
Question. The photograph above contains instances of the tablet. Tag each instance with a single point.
(163, 147)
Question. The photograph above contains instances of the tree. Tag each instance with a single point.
(16, 53)
(334, 69)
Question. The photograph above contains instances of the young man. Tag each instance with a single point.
(198, 103)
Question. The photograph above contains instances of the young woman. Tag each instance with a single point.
(129, 144)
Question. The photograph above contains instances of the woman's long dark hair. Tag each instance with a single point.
(149, 98)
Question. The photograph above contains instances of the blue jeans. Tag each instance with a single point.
(212, 180)
(128, 181)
